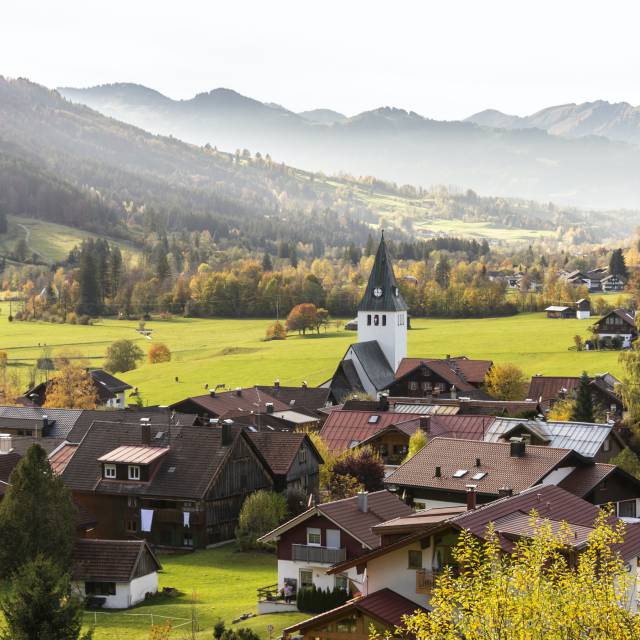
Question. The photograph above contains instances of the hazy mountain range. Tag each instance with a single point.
(498, 155)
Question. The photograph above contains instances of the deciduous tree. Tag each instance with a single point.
(159, 352)
(261, 512)
(506, 381)
(417, 440)
(71, 388)
(122, 355)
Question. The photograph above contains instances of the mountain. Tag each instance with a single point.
(619, 121)
(392, 144)
(323, 116)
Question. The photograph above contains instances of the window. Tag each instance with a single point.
(376, 320)
(134, 472)
(100, 588)
(415, 559)
(188, 506)
(314, 537)
(348, 624)
(109, 470)
(401, 319)
(132, 501)
(460, 473)
(384, 320)
(627, 509)
(413, 385)
(187, 539)
(131, 526)
(306, 578)
(302, 455)
(373, 419)
(426, 385)
(369, 319)
(419, 505)
(479, 475)
(342, 582)
(333, 538)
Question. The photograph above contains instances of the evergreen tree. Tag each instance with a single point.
(267, 265)
(443, 270)
(162, 266)
(293, 256)
(618, 265)
(89, 295)
(37, 516)
(115, 270)
(369, 248)
(583, 407)
(41, 604)
(3, 222)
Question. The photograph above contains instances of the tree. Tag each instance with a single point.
(327, 457)
(443, 271)
(267, 265)
(122, 355)
(71, 388)
(618, 265)
(506, 381)
(37, 516)
(583, 407)
(362, 464)
(276, 331)
(21, 250)
(537, 592)
(40, 605)
(159, 352)
(261, 512)
(163, 270)
(628, 461)
(417, 440)
(302, 318)
(562, 410)
(630, 383)
(89, 293)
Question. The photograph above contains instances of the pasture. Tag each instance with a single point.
(232, 352)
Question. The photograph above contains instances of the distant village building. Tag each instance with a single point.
(617, 325)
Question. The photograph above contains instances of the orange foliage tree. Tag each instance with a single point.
(72, 388)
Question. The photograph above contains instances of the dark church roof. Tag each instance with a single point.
(375, 364)
(382, 278)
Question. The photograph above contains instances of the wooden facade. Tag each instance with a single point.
(422, 382)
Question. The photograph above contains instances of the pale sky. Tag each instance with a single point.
(445, 59)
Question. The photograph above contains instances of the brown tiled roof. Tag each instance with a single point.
(385, 606)
(581, 481)
(195, 456)
(464, 373)
(59, 459)
(280, 448)
(463, 427)
(500, 467)
(544, 389)
(299, 398)
(227, 404)
(134, 454)
(108, 560)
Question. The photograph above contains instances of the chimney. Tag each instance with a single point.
(454, 392)
(518, 447)
(438, 473)
(472, 497)
(505, 492)
(478, 462)
(212, 393)
(276, 383)
(269, 407)
(45, 424)
(363, 501)
(425, 423)
(5, 444)
(145, 431)
(226, 436)
(238, 391)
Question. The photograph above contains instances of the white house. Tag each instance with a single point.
(114, 574)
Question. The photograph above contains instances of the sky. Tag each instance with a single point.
(445, 59)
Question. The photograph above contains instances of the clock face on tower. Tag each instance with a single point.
(377, 292)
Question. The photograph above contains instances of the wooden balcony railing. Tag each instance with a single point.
(324, 555)
(425, 581)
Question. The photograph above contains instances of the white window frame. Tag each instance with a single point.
(314, 531)
(302, 586)
(341, 578)
(133, 472)
(110, 471)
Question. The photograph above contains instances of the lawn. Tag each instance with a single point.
(232, 352)
(220, 583)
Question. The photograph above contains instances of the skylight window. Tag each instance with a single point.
(373, 419)
(479, 475)
(460, 473)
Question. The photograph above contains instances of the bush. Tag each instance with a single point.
(314, 600)
(159, 352)
(72, 318)
(276, 331)
(122, 355)
(616, 343)
(261, 512)
(364, 465)
(84, 319)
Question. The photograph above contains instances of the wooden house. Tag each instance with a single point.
(617, 325)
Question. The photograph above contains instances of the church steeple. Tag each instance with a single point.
(382, 292)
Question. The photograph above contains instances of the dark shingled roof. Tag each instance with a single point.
(280, 448)
(385, 606)
(107, 381)
(299, 398)
(581, 481)
(374, 363)
(64, 419)
(8, 462)
(463, 368)
(382, 277)
(109, 560)
(500, 467)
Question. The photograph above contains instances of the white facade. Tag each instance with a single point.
(118, 402)
(290, 570)
(128, 594)
(388, 329)
(583, 315)
(626, 338)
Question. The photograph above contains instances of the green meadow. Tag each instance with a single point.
(233, 352)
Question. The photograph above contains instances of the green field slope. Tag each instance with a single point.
(232, 352)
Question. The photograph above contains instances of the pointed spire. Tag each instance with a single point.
(382, 292)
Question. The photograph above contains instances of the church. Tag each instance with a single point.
(378, 363)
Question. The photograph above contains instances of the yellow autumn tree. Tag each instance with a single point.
(506, 381)
(72, 388)
(540, 591)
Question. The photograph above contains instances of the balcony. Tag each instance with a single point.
(425, 581)
(323, 555)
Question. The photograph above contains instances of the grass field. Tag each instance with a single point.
(219, 583)
(51, 242)
(231, 352)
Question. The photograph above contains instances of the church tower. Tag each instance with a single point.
(382, 312)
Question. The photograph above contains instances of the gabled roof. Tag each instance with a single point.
(299, 398)
(374, 362)
(107, 381)
(385, 606)
(461, 372)
(499, 467)
(463, 406)
(584, 479)
(585, 438)
(65, 419)
(382, 278)
(109, 560)
(59, 458)
(624, 315)
(228, 404)
(280, 448)
(345, 514)
(134, 454)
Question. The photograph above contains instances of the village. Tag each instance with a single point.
(425, 454)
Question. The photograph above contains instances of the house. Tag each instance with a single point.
(598, 442)
(617, 325)
(583, 309)
(114, 574)
(547, 390)
(309, 544)
(110, 391)
(175, 486)
(383, 610)
(304, 398)
(612, 284)
(435, 378)
(417, 547)
(440, 474)
(465, 406)
(292, 460)
(559, 311)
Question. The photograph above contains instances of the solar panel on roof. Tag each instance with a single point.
(479, 475)
(460, 473)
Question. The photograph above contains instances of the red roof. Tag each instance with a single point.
(543, 389)
(134, 454)
(464, 373)
(59, 459)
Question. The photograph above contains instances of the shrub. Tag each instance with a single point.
(276, 331)
(364, 465)
(159, 352)
(84, 319)
(506, 381)
(72, 318)
(314, 600)
(616, 343)
(122, 355)
(261, 512)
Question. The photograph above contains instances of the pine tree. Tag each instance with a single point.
(293, 256)
(369, 248)
(443, 270)
(267, 265)
(618, 265)
(583, 407)
(37, 516)
(89, 295)
(162, 267)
